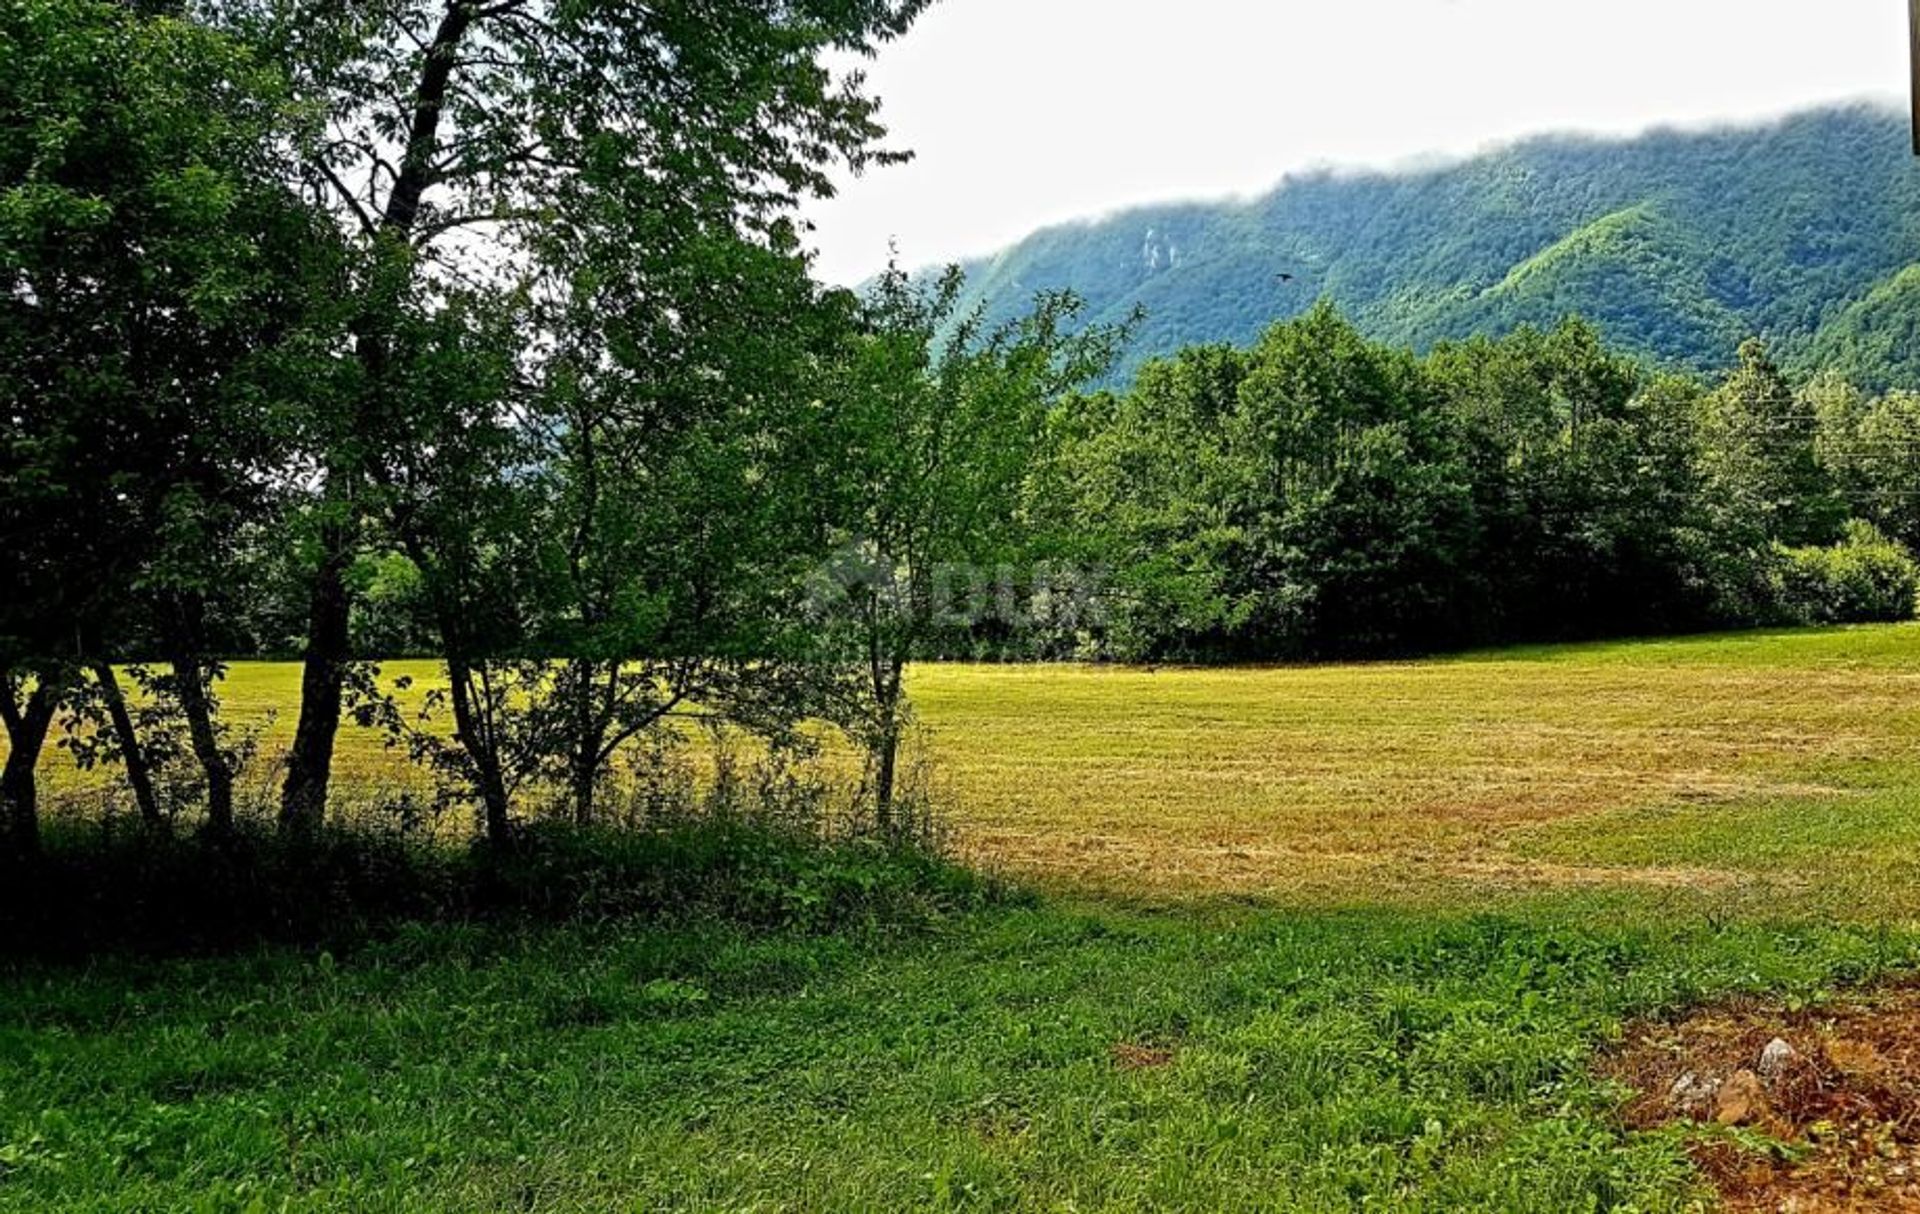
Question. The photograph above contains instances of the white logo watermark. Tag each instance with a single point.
(960, 594)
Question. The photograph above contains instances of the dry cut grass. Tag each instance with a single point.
(1775, 760)
(1769, 765)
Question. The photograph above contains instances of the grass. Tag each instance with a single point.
(1315, 938)
(1363, 781)
(1302, 1060)
(1449, 779)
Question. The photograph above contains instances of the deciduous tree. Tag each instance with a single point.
(460, 134)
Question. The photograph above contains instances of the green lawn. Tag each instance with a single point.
(1311, 1060)
(1319, 938)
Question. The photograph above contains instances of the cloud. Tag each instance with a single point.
(1025, 113)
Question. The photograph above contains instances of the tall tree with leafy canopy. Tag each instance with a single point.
(459, 135)
(1136, 484)
(614, 532)
(1582, 479)
(1763, 477)
(162, 281)
(1349, 488)
(1871, 447)
(942, 422)
(682, 447)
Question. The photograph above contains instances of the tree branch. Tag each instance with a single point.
(360, 212)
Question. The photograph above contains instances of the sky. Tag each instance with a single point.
(1023, 113)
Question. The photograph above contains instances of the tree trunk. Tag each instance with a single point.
(191, 684)
(303, 797)
(884, 776)
(493, 800)
(474, 738)
(886, 695)
(133, 758)
(586, 773)
(884, 665)
(589, 737)
(19, 792)
(190, 680)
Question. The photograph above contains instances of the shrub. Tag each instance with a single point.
(733, 869)
(1865, 578)
(769, 844)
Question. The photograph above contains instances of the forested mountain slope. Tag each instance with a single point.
(1678, 244)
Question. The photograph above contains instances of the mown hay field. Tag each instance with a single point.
(1771, 765)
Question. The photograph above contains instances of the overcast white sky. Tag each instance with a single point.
(1028, 112)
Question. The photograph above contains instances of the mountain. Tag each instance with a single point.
(1805, 231)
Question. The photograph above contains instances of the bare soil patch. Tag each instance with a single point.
(1805, 1111)
(1133, 1056)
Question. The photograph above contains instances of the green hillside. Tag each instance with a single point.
(1876, 341)
(1679, 244)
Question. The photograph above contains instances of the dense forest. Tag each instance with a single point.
(1678, 245)
(484, 333)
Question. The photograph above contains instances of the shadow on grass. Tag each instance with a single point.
(90, 892)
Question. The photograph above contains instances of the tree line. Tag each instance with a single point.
(484, 329)
(1319, 494)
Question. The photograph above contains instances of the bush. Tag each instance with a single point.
(734, 869)
(94, 889)
(1865, 578)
